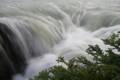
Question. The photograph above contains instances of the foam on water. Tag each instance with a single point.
(51, 28)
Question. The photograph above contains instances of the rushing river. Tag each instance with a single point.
(33, 33)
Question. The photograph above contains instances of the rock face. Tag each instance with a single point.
(12, 59)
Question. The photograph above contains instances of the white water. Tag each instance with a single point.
(60, 28)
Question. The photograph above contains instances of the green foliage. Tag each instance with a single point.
(105, 64)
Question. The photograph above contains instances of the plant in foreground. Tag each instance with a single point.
(105, 64)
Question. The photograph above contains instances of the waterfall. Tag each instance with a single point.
(34, 33)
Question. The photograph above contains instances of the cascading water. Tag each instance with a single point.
(34, 33)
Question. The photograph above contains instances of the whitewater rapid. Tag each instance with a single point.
(40, 31)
